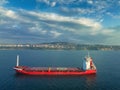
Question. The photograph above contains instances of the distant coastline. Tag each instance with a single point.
(59, 46)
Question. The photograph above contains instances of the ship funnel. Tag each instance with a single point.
(17, 64)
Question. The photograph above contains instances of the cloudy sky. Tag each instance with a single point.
(77, 21)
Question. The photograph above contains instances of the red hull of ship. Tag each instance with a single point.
(87, 72)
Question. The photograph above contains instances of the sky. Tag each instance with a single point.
(74, 21)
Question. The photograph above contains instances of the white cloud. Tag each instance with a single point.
(36, 25)
(37, 29)
(55, 17)
(78, 10)
(48, 2)
(13, 15)
(53, 4)
(55, 34)
(55, 25)
(2, 2)
(44, 31)
(98, 9)
(88, 25)
(107, 31)
(117, 16)
(90, 1)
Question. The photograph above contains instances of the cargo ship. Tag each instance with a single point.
(88, 68)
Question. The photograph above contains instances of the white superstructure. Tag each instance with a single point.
(88, 63)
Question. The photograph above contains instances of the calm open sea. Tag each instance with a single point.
(107, 63)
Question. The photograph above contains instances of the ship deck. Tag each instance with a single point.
(50, 69)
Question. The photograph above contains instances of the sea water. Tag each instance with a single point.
(107, 63)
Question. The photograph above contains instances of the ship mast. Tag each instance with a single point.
(17, 64)
(88, 54)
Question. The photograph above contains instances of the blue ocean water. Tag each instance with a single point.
(107, 63)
